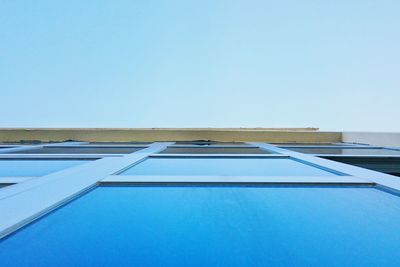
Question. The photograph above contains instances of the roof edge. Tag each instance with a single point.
(169, 134)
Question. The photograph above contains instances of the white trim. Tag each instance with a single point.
(213, 146)
(58, 156)
(272, 155)
(96, 146)
(332, 147)
(234, 179)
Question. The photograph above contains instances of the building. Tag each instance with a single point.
(199, 197)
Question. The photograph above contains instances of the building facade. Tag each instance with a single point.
(199, 197)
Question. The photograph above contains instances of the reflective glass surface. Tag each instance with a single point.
(214, 150)
(117, 143)
(210, 143)
(390, 165)
(214, 226)
(225, 167)
(26, 142)
(346, 151)
(80, 150)
(34, 167)
(312, 144)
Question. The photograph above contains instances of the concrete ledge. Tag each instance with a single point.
(171, 134)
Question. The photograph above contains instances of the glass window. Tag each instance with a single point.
(312, 144)
(224, 167)
(117, 143)
(390, 165)
(347, 151)
(214, 226)
(35, 167)
(27, 142)
(214, 150)
(210, 143)
(80, 150)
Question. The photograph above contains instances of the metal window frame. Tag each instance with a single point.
(7, 154)
(213, 146)
(382, 180)
(32, 198)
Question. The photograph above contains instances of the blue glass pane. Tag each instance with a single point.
(347, 151)
(25, 167)
(214, 226)
(80, 150)
(225, 167)
(210, 143)
(312, 144)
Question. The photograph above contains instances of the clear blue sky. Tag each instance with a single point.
(328, 64)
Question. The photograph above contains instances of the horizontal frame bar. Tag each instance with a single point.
(234, 179)
(98, 146)
(214, 146)
(58, 156)
(333, 147)
(218, 156)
